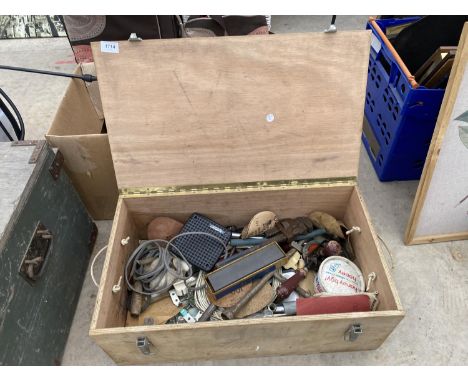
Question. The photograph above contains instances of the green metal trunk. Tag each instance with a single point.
(46, 238)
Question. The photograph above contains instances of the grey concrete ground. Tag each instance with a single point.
(432, 280)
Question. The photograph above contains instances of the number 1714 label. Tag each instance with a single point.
(109, 47)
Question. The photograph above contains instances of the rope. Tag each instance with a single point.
(388, 250)
(370, 278)
(91, 269)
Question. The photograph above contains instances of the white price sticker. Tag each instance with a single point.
(109, 47)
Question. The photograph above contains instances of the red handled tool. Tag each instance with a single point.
(324, 305)
(288, 286)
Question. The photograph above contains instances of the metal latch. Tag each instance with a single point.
(353, 332)
(133, 37)
(332, 27)
(33, 264)
(144, 344)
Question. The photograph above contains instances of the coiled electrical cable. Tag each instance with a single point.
(157, 264)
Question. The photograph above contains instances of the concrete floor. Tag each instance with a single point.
(432, 280)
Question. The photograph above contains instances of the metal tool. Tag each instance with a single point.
(207, 313)
(247, 242)
(279, 237)
(300, 291)
(237, 235)
(231, 312)
(187, 316)
(332, 27)
(287, 308)
(136, 302)
(288, 286)
(175, 299)
(267, 312)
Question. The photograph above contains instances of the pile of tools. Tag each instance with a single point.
(201, 270)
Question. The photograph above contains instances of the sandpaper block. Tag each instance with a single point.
(245, 269)
(333, 304)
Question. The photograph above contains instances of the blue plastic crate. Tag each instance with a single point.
(400, 119)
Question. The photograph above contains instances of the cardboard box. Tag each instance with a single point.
(228, 127)
(78, 132)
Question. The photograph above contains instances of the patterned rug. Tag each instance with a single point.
(19, 26)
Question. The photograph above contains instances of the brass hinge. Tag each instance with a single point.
(137, 192)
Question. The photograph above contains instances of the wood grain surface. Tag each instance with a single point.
(247, 337)
(237, 208)
(76, 132)
(436, 214)
(234, 109)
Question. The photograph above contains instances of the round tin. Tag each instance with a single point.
(339, 275)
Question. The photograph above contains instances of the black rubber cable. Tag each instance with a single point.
(18, 129)
(84, 77)
(5, 131)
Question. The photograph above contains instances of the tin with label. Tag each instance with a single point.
(339, 275)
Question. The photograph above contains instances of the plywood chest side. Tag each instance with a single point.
(247, 338)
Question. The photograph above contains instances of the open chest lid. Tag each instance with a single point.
(234, 110)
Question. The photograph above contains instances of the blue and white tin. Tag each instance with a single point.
(338, 275)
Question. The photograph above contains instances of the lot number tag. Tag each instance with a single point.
(109, 47)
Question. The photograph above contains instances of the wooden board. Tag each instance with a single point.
(132, 213)
(112, 310)
(440, 209)
(246, 338)
(76, 132)
(238, 208)
(234, 109)
(369, 257)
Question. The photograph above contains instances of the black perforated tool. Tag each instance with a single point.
(202, 251)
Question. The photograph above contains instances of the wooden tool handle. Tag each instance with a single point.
(288, 286)
(404, 68)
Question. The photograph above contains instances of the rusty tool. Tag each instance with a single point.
(136, 302)
(288, 286)
(314, 258)
(290, 228)
(207, 313)
(231, 312)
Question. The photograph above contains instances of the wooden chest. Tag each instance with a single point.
(46, 238)
(228, 127)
